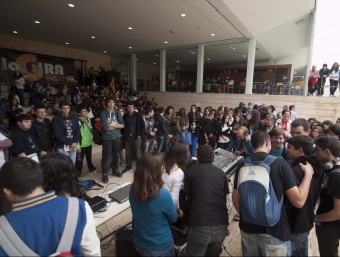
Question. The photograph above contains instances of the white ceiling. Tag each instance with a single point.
(156, 21)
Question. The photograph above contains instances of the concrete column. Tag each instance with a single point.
(250, 65)
(310, 52)
(162, 71)
(200, 68)
(133, 72)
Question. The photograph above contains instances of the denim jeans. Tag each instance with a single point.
(299, 244)
(328, 240)
(333, 85)
(111, 149)
(21, 95)
(206, 240)
(168, 252)
(148, 145)
(263, 245)
(194, 140)
(161, 143)
(71, 154)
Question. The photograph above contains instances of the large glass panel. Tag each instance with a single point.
(181, 70)
(225, 67)
(148, 67)
(281, 59)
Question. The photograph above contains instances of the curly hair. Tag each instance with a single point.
(148, 177)
(60, 175)
(205, 154)
(177, 154)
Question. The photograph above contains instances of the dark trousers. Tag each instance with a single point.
(333, 85)
(111, 149)
(321, 85)
(87, 153)
(328, 240)
(20, 93)
(132, 148)
(312, 89)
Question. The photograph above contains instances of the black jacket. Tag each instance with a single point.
(23, 142)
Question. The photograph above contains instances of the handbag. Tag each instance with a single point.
(89, 184)
(186, 137)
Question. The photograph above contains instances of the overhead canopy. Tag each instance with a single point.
(155, 21)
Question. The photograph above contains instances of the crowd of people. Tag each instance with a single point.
(317, 79)
(165, 142)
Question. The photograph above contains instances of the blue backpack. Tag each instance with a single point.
(259, 204)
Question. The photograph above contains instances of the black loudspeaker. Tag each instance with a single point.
(124, 244)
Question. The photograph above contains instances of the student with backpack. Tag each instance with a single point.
(260, 186)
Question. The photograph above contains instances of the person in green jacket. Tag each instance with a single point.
(85, 142)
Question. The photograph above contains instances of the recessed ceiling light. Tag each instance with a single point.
(208, 59)
(71, 5)
(212, 34)
(104, 51)
(154, 63)
(156, 54)
(67, 43)
(136, 59)
(93, 37)
(37, 22)
(15, 32)
(177, 61)
(130, 28)
(234, 48)
(165, 42)
(244, 55)
(193, 52)
(130, 47)
(183, 15)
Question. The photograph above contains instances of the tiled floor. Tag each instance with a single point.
(232, 242)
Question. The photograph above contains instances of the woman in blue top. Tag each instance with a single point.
(152, 208)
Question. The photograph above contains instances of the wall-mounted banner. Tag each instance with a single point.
(37, 67)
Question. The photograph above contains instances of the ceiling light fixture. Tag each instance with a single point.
(130, 28)
(154, 63)
(15, 32)
(208, 59)
(37, 22)
(244, 56)
(67, 43)
(104, 51)
(165, 42)
(183, 15)
(71, 5)
(177, 61)
(156, 54)
(130, 47)
(93, 37)
(212, 34)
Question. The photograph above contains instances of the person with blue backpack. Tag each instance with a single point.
(260, 186)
